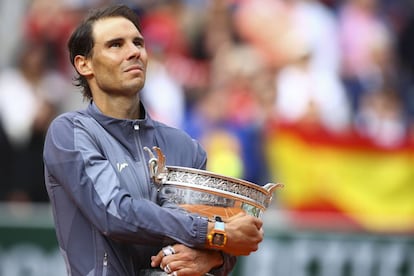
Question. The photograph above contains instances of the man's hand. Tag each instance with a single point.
(244, 233)
(186, 261)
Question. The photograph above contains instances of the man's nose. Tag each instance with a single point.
(134, 51)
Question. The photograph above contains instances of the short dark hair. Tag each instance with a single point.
(81, 41)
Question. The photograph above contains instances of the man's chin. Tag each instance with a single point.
(135, 86)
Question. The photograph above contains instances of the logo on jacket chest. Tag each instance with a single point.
(121, 166)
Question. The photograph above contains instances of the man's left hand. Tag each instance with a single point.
(180, 260)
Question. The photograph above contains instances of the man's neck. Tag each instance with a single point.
(119, 107)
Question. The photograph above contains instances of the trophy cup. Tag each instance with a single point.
(207, 193)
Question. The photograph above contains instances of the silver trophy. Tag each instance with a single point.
(207, 193)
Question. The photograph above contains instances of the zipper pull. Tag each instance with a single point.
(105, 259)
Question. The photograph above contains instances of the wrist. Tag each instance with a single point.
(216, 237)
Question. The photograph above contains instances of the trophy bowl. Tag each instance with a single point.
(207, 193)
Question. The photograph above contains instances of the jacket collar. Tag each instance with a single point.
(96, 113)
(124, 129)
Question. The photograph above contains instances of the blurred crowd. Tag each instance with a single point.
(223, 70)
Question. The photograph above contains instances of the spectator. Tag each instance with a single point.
(305, 94)
(381, 119)
(366, 45)
(30, 96)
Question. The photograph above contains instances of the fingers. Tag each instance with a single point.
(166, 259)
(258, 223)
(168, 250)
(171, 269)
(164, 252)
(244, 235)
(167, 269)
(175, 269)
(185, 261)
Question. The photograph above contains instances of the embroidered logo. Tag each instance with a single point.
(121, 166)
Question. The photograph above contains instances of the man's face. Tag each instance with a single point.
(119, 59)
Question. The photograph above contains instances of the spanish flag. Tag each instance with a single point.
(370, 185)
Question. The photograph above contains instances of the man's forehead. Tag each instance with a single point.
(111, 27)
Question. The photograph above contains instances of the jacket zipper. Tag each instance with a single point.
(105, 264)
(141, 153)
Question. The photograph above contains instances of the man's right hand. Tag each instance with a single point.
(244, 233)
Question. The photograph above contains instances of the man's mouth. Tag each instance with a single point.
(135, 67)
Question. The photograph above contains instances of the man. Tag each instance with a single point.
(109, 218)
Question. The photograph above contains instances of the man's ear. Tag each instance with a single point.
(82, 65)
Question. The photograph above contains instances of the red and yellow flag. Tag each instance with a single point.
(370, 185)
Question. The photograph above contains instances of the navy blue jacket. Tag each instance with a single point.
(109, 218)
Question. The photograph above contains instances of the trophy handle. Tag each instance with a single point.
(157, 169)
(270, 187)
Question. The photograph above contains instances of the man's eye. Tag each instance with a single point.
(139, 43)
(115, 45)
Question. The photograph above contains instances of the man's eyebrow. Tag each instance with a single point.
(113, 40)
(120, 39)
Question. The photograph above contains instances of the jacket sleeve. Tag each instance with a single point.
(74, 163)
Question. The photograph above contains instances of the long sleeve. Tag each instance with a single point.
(76, 165)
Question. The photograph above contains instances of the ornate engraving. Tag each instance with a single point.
(181, 196)
(208, 181)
